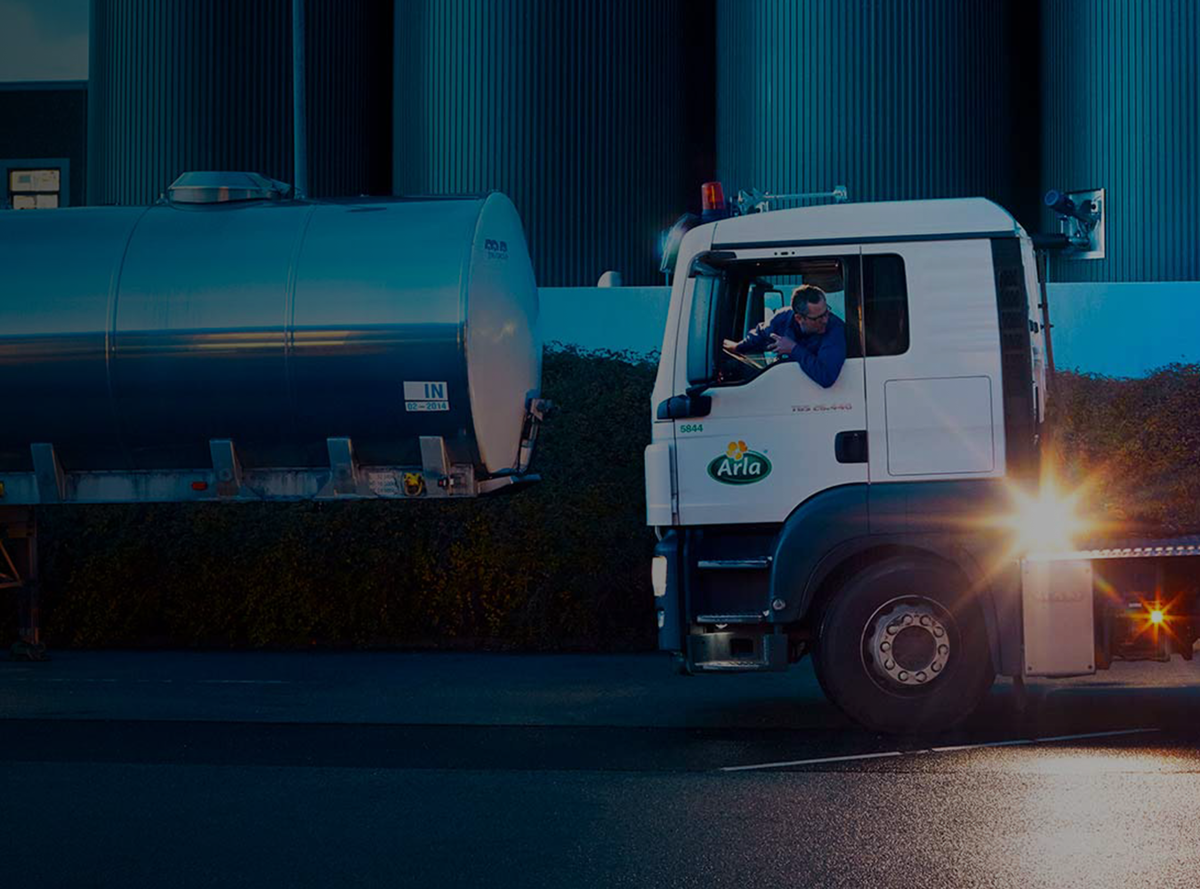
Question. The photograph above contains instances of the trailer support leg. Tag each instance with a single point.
(19, 572)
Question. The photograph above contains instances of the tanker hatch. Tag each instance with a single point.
(221, 188)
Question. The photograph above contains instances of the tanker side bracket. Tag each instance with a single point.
(227, 467)
(435, 462)
(48, 474)
(345, 468)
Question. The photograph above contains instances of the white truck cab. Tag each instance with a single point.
(857, 521)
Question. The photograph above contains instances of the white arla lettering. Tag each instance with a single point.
(748, 466)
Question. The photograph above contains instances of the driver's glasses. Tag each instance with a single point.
(816, 319)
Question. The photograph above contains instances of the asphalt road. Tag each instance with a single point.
(227, 769)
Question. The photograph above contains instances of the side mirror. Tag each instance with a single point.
(682, 407)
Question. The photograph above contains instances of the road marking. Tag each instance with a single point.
(1082, 737)
(244, 681)
(823, 759)
(1124, 731)
(927, 750)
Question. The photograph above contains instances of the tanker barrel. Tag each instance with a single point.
(234, 325)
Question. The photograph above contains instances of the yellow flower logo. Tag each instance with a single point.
(736, 450)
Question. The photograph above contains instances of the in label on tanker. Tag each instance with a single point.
(424, 395)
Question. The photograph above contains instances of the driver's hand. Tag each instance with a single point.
(782, 344)
(730, 345)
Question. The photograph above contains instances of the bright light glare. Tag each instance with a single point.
(1047, 522)
(1157, 617)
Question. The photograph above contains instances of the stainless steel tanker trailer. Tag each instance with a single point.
(230, 344)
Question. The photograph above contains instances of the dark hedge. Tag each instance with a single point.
(1134, 446)
(561, 565)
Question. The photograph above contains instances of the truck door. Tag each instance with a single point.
(773, 437)
(932, 368)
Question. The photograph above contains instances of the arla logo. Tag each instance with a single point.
(739, 465)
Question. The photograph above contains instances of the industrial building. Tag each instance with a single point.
(600, 118)
(43, 144)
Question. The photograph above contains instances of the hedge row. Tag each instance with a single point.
(562, 565)
(1134, 446)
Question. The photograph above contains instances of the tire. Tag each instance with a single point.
(903, 648)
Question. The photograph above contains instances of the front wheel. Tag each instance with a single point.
(903, 648)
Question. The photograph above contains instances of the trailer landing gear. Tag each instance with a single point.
(18, 572)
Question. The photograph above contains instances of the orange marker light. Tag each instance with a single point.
(712, 196)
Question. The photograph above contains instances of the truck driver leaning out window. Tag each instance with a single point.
(807, 333)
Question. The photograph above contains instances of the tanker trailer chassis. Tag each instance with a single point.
(229, 479)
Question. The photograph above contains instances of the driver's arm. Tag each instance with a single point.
(823, 367)
(757, 340)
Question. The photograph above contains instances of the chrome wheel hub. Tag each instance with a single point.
(908, 643)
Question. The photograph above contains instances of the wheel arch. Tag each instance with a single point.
(850, 526)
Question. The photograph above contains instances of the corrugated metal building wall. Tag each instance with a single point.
(600, 119)
(577, 111)
(894, 100)
(206, 85)
(1121, 82)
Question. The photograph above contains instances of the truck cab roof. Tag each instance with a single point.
(868, 222)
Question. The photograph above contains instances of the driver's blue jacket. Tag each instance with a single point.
(820, 355)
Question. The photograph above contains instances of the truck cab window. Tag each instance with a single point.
(706, 293)
(753, 292)
(885, 305)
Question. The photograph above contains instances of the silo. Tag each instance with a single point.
(575, 110)
(1121, 82)
(893, 100)
(207, 85)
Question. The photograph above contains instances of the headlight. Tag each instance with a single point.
(658, 575)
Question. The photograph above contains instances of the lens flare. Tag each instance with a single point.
(1046, 521)
(1157, 617)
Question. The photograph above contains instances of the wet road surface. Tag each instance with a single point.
(200, 769)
